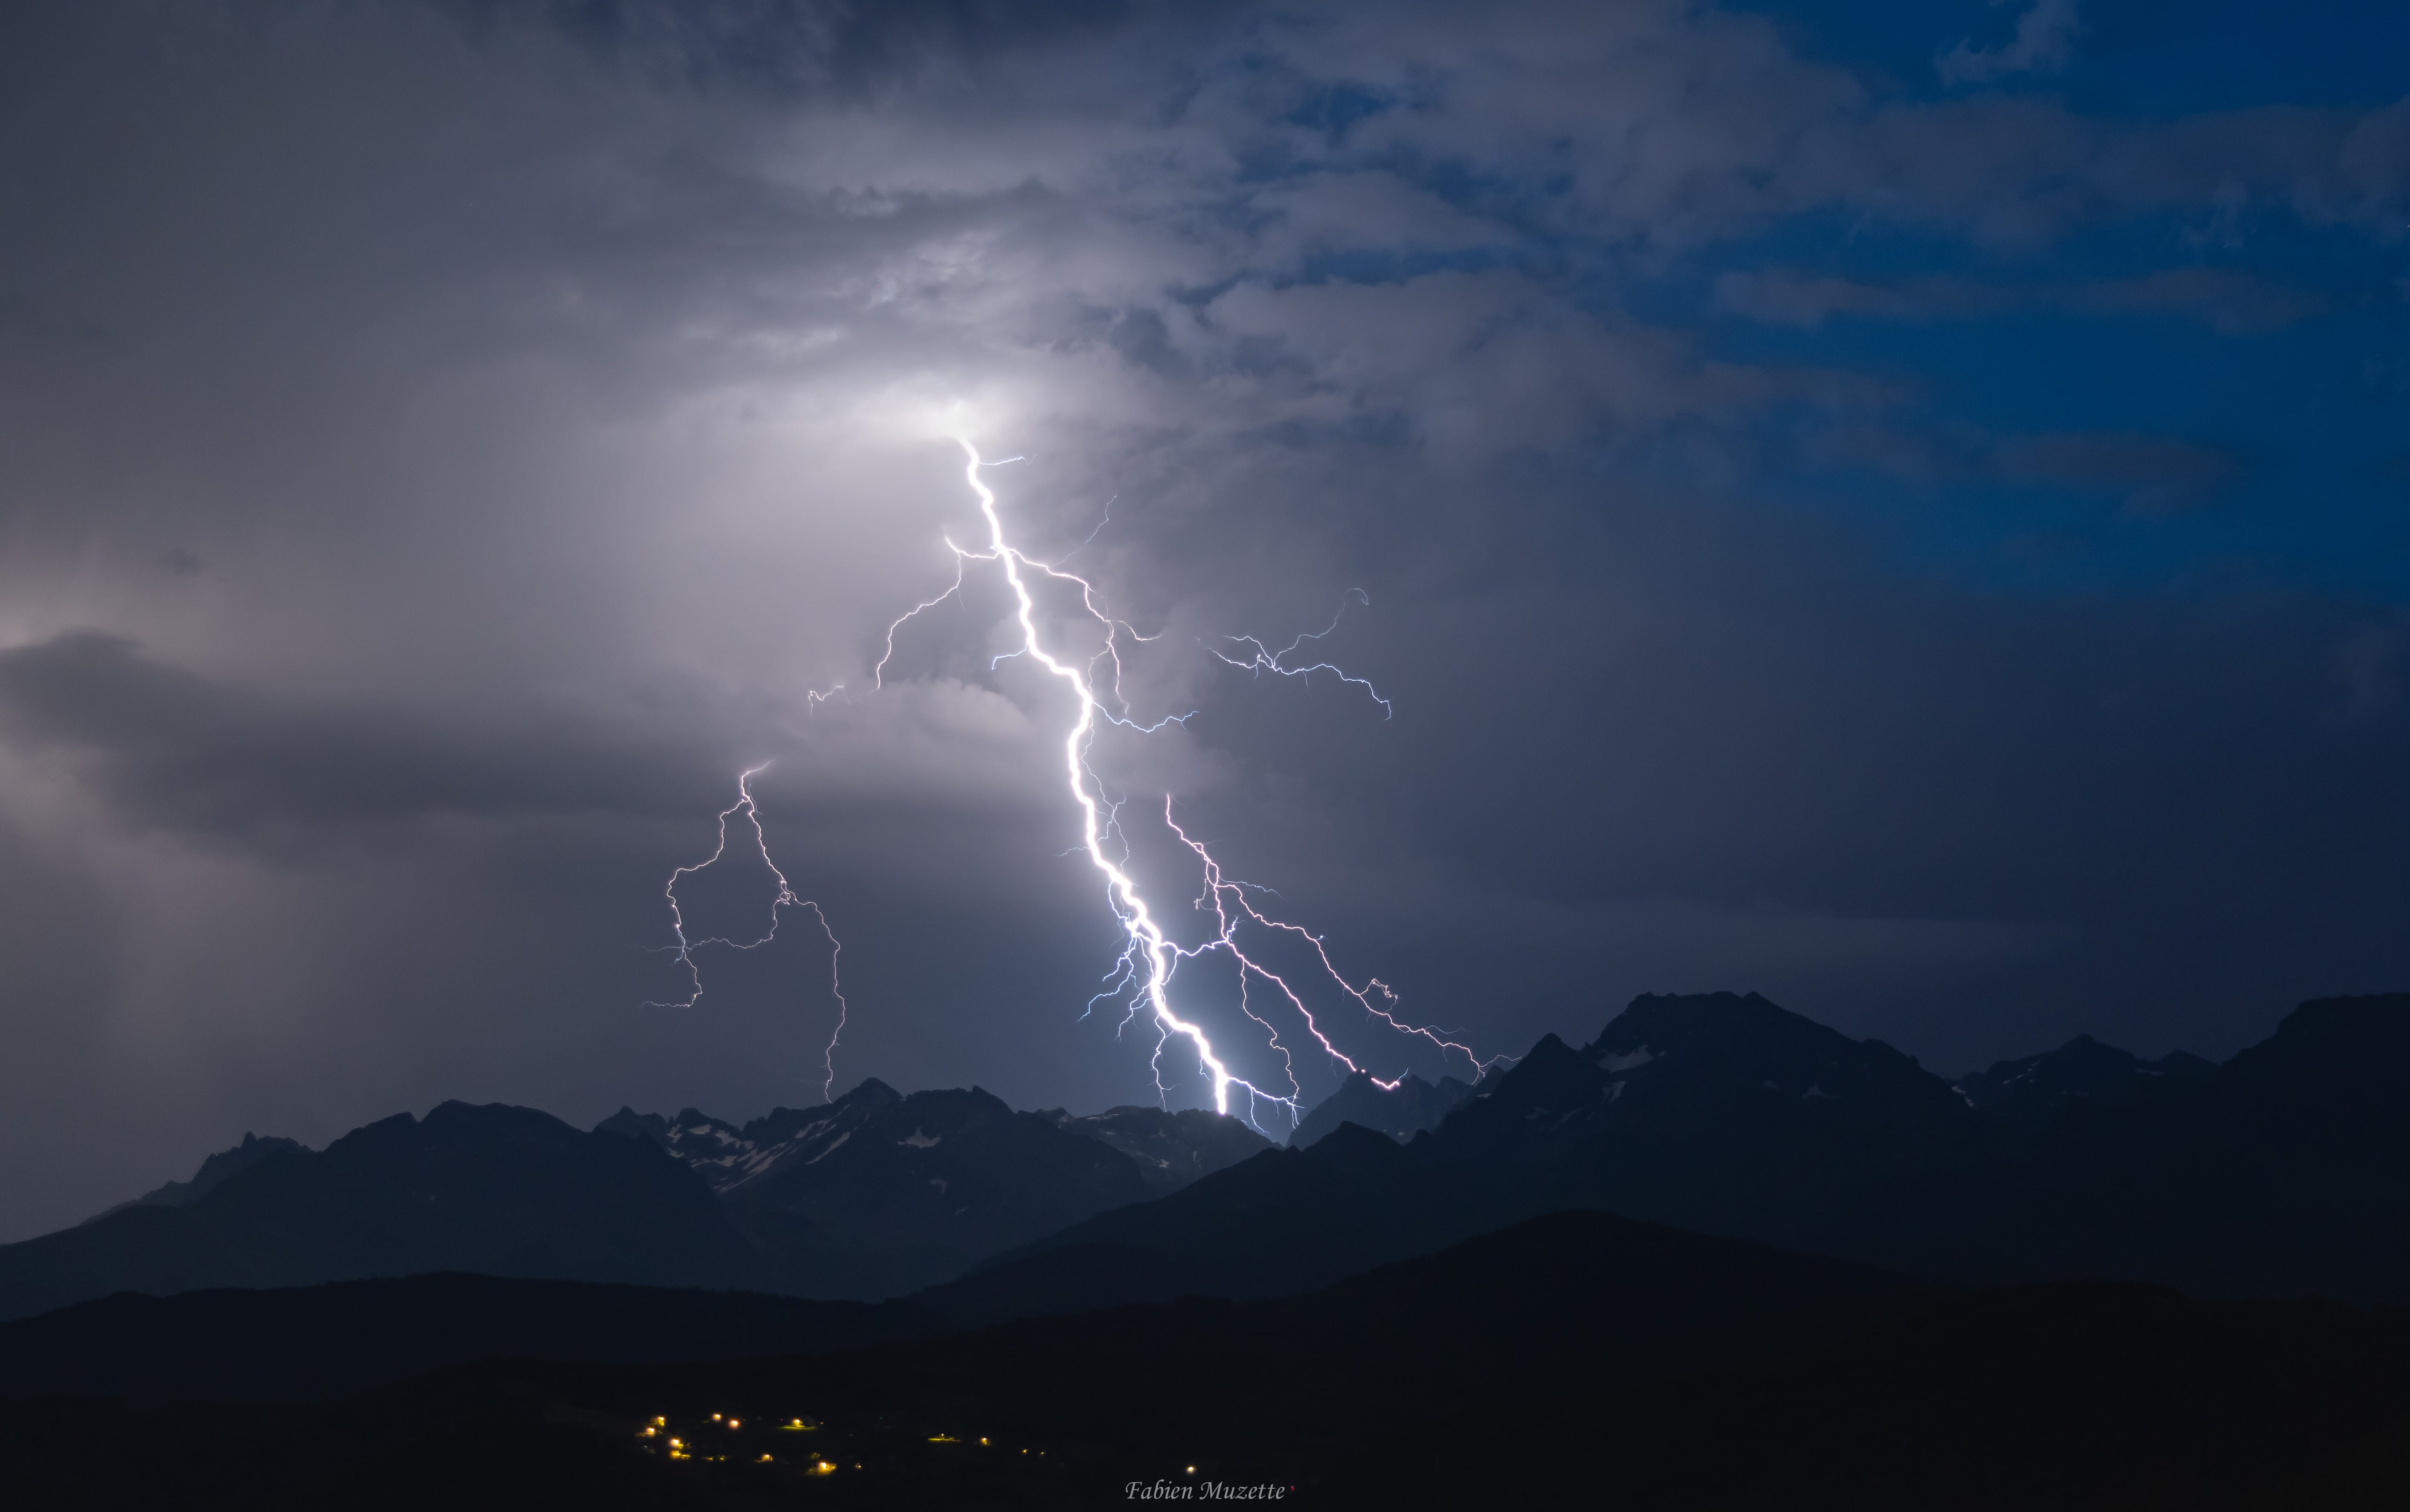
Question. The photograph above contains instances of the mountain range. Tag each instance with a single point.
(873, 1195)
(2283, 1172)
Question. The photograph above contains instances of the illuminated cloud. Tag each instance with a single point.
(1825, 534)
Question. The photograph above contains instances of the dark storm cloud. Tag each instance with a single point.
(171, 750)
(1893, 548)
(786, 46)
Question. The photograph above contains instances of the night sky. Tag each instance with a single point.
(1901, 508)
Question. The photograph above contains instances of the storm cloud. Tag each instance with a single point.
(1912, 539)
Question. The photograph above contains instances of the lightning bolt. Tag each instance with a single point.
(1266, 660)
(1149, 958)
(787, 897)
(1227, 899)
(1143, 971)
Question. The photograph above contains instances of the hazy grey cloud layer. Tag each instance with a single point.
(447, 441)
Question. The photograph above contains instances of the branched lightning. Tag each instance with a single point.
(1141, 974)
(1266, 660)
(1227, 899)
(787, 897)
(1144, 969)
(1148, 952)
(1092, 535)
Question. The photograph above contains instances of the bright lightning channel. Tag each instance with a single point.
(1149, 958)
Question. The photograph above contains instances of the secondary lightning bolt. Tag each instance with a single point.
(1227, 899)
(787, 897)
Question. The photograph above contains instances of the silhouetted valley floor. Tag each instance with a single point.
(1573, 1357)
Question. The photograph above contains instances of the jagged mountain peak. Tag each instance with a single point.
(870, 1089)
(1553, 1075)
(731, 1158)
(1676, 1081)
(2332, 1040)
(456, 1112)
(784, 1158)
(226, 1163)
(1749, 1040)
(1353, 1150)
(1401, 1112)
(2082, 1067)
(1722, 1023)
(214, 1169)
